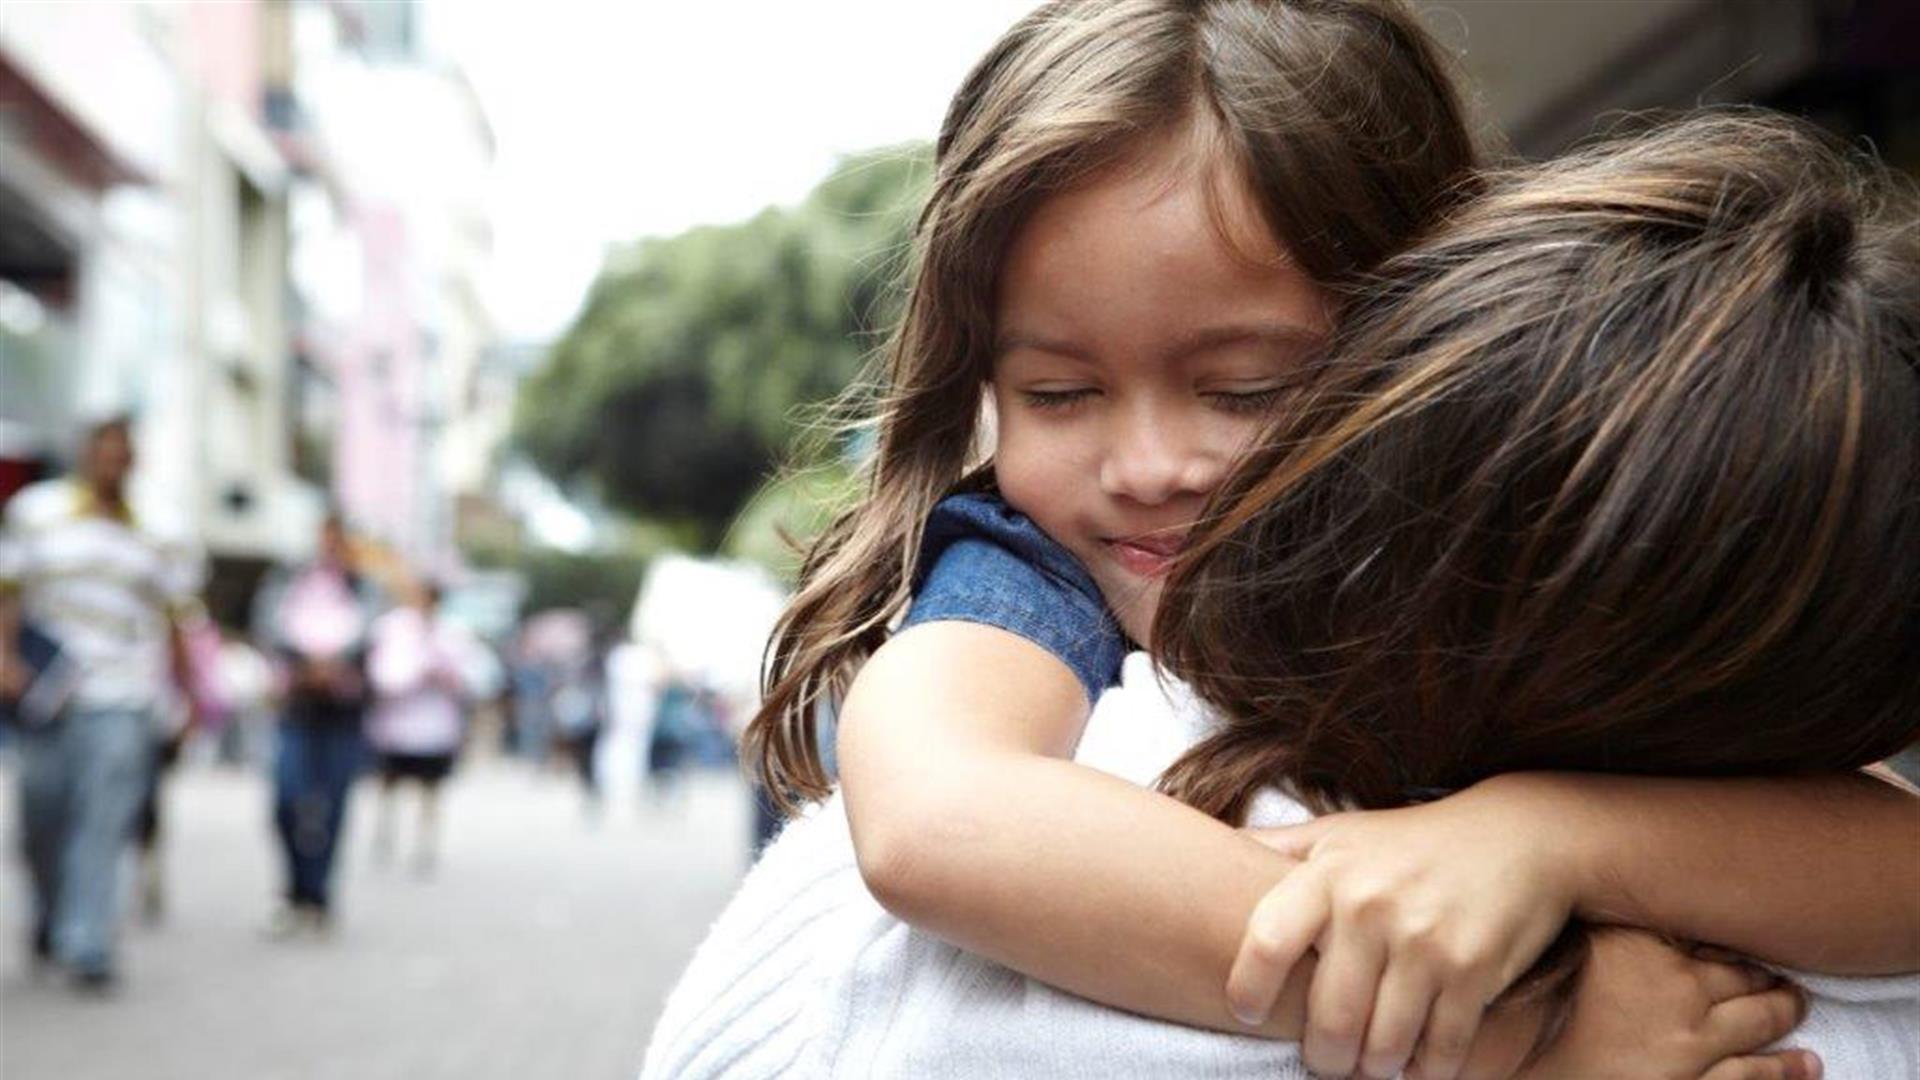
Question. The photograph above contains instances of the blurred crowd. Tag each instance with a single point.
(351, 666)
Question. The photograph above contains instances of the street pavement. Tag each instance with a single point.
(542, 945)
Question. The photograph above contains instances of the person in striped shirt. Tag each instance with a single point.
(81, 571)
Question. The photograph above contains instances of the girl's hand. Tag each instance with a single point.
(1421, 917)
(1645, 1010)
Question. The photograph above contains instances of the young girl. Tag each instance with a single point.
(1140, 219)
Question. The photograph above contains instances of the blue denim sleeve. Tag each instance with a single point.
(981, 561)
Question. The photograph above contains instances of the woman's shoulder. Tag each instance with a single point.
(756, 996)
(1143, 725)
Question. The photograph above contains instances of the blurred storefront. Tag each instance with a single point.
(260, 228)
(86, 281)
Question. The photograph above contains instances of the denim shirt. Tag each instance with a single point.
(981, 561)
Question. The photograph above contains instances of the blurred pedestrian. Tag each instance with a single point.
(250, 685)
(420, 665)
(96, 599)
(667, 738)
(199, 708)
(317, 620)
(579, 709)
(532, 696)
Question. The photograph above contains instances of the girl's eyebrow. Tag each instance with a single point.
(1278, 334)
(1007, 343)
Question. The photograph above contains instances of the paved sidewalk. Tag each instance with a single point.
(541, 947)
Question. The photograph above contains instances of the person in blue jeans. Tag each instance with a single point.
(79, 570)
(316, 619)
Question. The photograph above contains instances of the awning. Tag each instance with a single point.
(42, 123)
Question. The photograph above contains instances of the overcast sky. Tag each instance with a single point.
(617, 120)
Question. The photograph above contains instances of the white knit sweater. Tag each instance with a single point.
(806, 976)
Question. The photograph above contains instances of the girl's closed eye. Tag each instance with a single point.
(1060, 400)
(1245, 401)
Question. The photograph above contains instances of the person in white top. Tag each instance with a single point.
(98, 598)
(805, 976)
(419, 668)
(1613, 473)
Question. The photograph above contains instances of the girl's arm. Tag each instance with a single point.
(1818, 873)
(966, 827)
(1422, 915)
(968, 823)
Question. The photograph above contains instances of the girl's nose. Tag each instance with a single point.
(1152, 459)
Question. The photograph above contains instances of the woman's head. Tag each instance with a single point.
(1618, 471)
(1330, 124)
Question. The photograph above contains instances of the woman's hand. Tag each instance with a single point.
(1421, 916)
(1645, 1010)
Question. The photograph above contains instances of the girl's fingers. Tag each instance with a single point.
(1284, 925)
(1406, 994)
(1341, 1000)
(1451, 1025)
(1743, 1025)
(1780, 1065)
(1726, 981)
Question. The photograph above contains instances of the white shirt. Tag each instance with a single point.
(417, 668)
(101, 586)
(806, 976)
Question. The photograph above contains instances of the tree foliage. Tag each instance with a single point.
(675, 389)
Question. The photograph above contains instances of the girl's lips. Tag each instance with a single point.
(1145, 557)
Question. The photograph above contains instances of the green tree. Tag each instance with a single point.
(675, 390)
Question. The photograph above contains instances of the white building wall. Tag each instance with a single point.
(409, 154)
(116, 346)
(177, 308)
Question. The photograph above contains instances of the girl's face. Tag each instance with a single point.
(1136, 353)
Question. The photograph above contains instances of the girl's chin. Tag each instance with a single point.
(1136, 618)
(1132, 601)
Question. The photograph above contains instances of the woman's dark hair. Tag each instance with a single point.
(1618, 471)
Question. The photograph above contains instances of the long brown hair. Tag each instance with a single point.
(1619, 471)
(1338, 115)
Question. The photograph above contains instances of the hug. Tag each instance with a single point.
(1552, 532)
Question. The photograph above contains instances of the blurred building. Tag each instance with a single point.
(488, 514)
(260, 226)
(90, 277)
(142, 221)
(392, 243)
